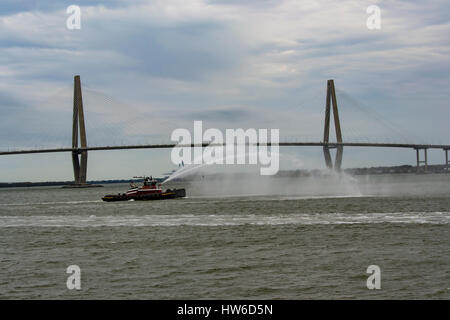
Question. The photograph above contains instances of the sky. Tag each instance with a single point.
(150, 67)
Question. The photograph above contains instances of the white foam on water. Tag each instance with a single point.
(224, 220)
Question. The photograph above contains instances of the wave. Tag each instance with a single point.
(211, 220)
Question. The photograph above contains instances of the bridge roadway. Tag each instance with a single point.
(281, 144)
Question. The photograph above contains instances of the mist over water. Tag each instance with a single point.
(246, 180)
(293, 179)
(317, 184)
(325, 183)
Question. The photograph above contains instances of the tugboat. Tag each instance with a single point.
(150, 190)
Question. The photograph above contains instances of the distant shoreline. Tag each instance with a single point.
(281, 174)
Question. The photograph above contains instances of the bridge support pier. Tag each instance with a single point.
(425, 161)
(331, 99)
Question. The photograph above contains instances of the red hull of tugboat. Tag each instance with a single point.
(168, 194)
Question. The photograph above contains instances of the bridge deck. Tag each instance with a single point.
(281, 144)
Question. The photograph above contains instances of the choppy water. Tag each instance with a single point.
(297, 246)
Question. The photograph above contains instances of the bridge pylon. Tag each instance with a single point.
(79, 157)
(78, 128)
(331, 100)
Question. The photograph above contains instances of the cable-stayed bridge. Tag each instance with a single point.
(80, 148)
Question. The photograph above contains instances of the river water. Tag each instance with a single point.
(314, 242)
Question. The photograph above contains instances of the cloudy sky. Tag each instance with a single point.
(149, 67)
